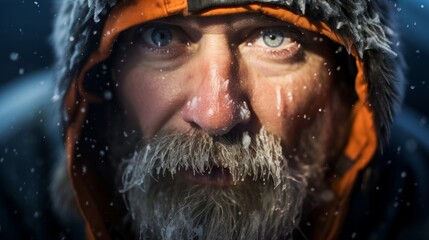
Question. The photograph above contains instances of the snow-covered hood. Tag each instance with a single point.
(85, 31)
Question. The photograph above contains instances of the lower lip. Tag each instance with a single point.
(216, 176)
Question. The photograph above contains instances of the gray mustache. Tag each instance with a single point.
(258, 157)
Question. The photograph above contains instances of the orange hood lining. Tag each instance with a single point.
(360, 148)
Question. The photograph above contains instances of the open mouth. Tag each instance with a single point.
(216, 176)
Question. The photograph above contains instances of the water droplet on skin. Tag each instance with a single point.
(193, 102)
(290, 96)
(278, 100)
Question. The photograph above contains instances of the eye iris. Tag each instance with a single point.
(161, 37)
(273, 39)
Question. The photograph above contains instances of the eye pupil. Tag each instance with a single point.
(161, 37)
(273, 39)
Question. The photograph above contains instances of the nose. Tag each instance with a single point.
(216, 104)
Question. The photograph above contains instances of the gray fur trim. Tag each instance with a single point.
(76, 29)
(368, 23)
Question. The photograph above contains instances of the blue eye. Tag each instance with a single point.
(273, 39)
(279, 43)
(161, 36)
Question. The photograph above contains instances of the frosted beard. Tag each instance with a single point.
(264, 200)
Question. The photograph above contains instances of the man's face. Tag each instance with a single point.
(233, 83)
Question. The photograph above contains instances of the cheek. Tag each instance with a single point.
(286, 104)
(151, 96)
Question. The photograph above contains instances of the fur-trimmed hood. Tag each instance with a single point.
(365, 27)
